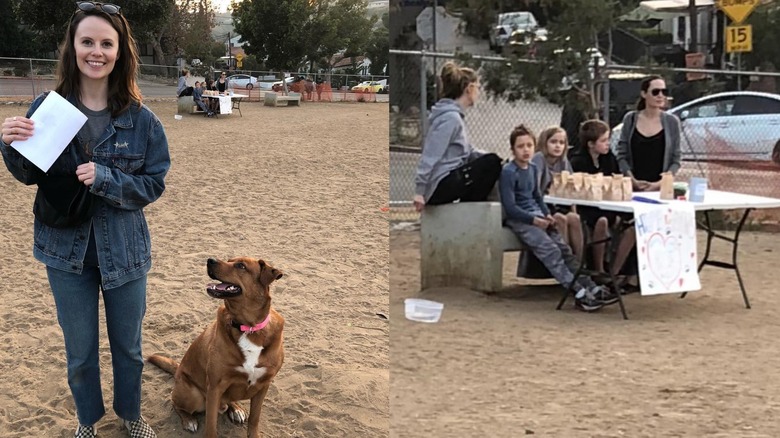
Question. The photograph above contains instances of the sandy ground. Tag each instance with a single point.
(510, 365)
(301, 187)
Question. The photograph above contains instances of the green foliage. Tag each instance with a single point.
(49, 18)
(16, 41)
(565, 59)
(766, 38)
(288, 34)
(377, 51)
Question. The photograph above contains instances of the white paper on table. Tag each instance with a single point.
(57, 121)
(666, 247)
(225, 105)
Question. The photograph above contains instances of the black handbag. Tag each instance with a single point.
(63, 201)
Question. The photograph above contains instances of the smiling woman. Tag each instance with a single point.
(118, 160)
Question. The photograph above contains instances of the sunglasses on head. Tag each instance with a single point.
(108, 8)
(657, 91)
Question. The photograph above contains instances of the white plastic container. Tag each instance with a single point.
(423, 310)
(177, 117)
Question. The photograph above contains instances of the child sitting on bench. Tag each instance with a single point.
(530, 220)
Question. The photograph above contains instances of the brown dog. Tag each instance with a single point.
(237, 356)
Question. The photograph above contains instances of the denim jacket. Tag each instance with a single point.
(131, 161)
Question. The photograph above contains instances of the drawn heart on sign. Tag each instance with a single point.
(664, 259)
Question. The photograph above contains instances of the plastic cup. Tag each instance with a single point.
(697, 187)
(423, 310)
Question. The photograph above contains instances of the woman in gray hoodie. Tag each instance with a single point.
(450, 168)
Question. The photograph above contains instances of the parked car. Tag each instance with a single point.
(242, 81)
(521, 24)
(267, 86)
(726, 127)
(369, 86)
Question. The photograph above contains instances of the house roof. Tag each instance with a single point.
(345, 62)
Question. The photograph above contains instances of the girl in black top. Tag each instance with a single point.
(595, 157)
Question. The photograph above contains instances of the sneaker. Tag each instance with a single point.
(586, 301)
(139, 428)
(605, 294)
(85, 432)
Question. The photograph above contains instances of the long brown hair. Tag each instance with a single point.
(455, 79)
(123, 88)
(544, 137)
(644, 86)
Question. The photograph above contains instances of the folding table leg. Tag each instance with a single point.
(707, 226)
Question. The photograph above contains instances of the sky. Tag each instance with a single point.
(220, 5)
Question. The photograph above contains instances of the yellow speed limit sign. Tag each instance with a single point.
(739, 39)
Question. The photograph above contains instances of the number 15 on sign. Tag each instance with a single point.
(739, 39)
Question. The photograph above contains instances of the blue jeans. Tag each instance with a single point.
(77, 297)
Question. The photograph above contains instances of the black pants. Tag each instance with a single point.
(471, 182)
(186, 92)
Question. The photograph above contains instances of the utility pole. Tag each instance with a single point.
(694, 19)
(435, 63)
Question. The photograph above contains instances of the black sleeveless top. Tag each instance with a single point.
(647, 154)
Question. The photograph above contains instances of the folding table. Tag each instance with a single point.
(713, 200)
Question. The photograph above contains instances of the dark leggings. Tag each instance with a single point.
(471, 182)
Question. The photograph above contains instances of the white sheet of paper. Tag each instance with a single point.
(57, 121)
(225, 105)
(666, 247)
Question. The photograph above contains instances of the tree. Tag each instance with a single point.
(188, 33)
(566, 60)
(290, 33)
(16, 42)
(378, 51)
(274, 31)
(49, 18)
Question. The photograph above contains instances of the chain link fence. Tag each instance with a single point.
(732, 139)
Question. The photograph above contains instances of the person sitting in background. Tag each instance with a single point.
(182, 89)
(596, 157)
(529, 218)
(551, 157)
(197, 96)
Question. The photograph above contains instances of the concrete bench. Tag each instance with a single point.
(463, 244)
(275, 99)
(185, 105)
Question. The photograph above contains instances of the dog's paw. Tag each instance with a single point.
(190, 425)
(237, 414)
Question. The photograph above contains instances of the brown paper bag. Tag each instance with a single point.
(578, 178)
(596, 187)
(628, 189)
(587, 180)
(616, 194)
(555, 188)
(667, 186)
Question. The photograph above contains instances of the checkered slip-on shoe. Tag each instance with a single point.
(85, 432)
(139, 428)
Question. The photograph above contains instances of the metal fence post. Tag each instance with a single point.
(32, 79)
(423, 101)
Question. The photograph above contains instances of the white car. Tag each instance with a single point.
(270, 85)
(513, 22)
(727, 127)
(242, 81)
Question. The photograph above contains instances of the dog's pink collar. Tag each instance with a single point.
(252, 329)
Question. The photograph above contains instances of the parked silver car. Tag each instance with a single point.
(242, 81)
(727, 127)
(516, 23)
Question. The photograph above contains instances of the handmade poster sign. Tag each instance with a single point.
(666, 247)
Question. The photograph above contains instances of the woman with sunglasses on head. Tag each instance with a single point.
(121, 157)
(450, 168)
(649, 142)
